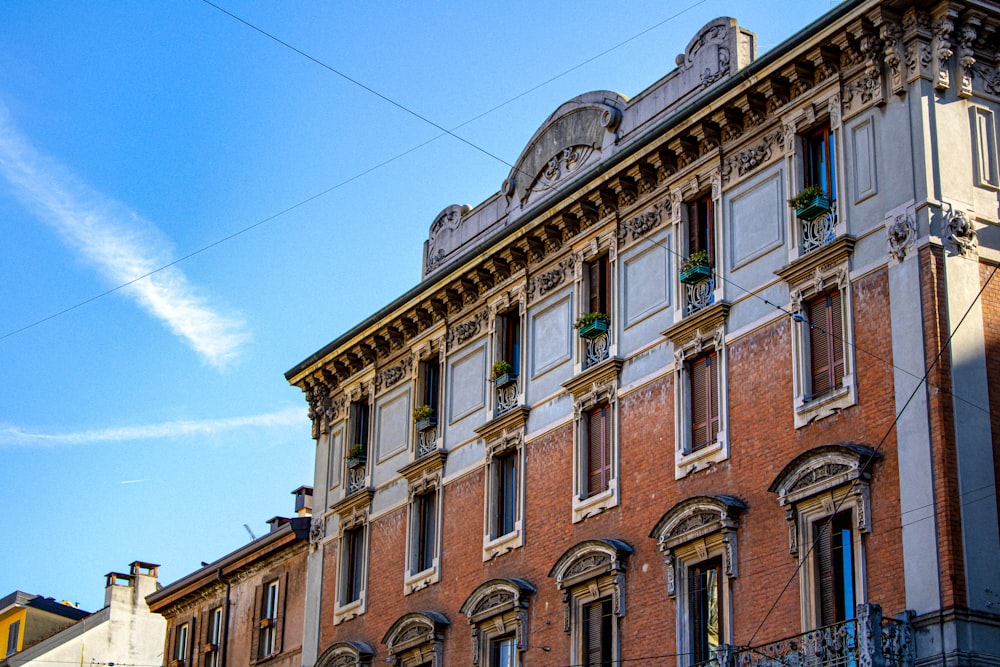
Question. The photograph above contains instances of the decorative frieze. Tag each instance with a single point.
(634, 228)
(464, 331)
(749, 159)
(545, 282)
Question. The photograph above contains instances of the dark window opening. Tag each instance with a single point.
(701, 228)
(425, 518)
(704, 609)
(820, 161)
(835, 570)
(826, 344)
(506, 492)
(597, 633)
(598, 450)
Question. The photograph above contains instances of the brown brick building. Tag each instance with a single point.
(643, 408)
(245, 608)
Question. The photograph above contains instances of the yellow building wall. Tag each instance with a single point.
(8, 619)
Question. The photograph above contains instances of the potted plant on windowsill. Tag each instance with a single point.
(423, 416)
(695, 268)
(356, 455)
(811, 203)
(503, 373)
(592, 325)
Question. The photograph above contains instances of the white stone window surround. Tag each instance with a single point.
(821, 482)
(692, 188)
(416, 639)
(691, 532)
(594, 249)
(592, 570)
(495, 609)
(495, 544)
(354, 515)
(820, 272)
(593, 387)
(695, 335)
(428, 483)
(795, 125)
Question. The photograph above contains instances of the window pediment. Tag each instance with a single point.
(346, 654)
(589, 560)
(696, 518)
(418, 635)
(495, 597)
(823, 468)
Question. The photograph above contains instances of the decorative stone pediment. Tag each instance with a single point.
(346, 654)
(496, 597)
(567, 141)
(417, 633)
(823, 468)
(589, 560)
(696, 517)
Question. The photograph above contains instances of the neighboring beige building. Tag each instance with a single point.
(245, 608)
(124, 632)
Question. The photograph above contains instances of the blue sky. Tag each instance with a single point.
(152, 422)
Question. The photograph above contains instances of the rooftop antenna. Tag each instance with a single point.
(252, 536)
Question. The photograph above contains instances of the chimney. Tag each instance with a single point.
(303, 500)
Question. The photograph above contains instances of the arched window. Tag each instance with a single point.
(698, 539)
(591, 576)
(498, 613)
(415, 640)
(826, 498)
(346, 654)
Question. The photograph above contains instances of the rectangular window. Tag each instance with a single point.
(505, 508)
(503, 652)
(835, 568)
(704, 609)
(430, 372)
(268, 618)
(424, 531)
(361, 417)
(13, 635)
(703, 377)
(701, 227)
(510, 340)
(598, 289)
(597, 633)
(214, 637)
(180, 643)
(820, 162)
(352, 564)
(598, 450)
(826, 344)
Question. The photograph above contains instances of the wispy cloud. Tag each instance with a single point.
(16, 436)
(119, 244)
(133, 481)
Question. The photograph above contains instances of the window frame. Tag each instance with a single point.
(354, 531)
(708, 336)
(424, 485)
(180, 649)
(213, 636)
(13, 631)
(810, 277)
(695, 531)
(587, 573)
(826, 481)
(267, 644)
(594, 387)
(508, 447)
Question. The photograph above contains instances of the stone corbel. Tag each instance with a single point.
(941, 45)
(966, 54)
(917, 37)
(895, 57)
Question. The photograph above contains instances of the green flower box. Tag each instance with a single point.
(815, 207)
(593, 329)
(693, 275)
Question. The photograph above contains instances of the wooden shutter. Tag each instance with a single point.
(201, 638)
(598, 288)
(825, 574)
(704, 384)
(598, 450)
(826, 343)
(258, 593)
